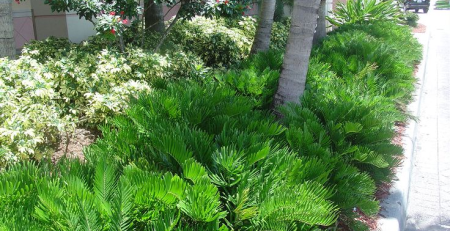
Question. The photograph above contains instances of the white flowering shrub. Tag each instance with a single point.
(103, 106)
(42, 96)
(30, 119)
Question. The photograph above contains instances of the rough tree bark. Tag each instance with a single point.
(154, 17)
(321, 30)
(263, 33)
(296, 59)
(7, 44)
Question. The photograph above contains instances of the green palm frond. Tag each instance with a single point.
(355, 189)
(193, 170)
(121, 206)
(229, 163)
(304, 203)
(18, 196)
(166, 188)
(169, 218)
(310, 169)
(361, 11)
(258, 155)
(366, 156)
(243, 210)
(173, 145)
(202, 202)
(105, 182)
(89, 218)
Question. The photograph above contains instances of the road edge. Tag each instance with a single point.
(394, 207)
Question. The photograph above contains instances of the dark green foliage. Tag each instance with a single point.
(397, 36)
(259, 86)
(18, 196)
(215, 41)
(280, 34)
(207, 130)
(411, 19)
(205, 154)
(308, 136)
(257, 77)
(271, 59)
(355, 54)
(357, 79)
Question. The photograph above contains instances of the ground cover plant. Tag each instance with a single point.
(184, 148)
(347, 116)
(354, 106)
(216, 159)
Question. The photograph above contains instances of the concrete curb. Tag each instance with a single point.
(394, 207)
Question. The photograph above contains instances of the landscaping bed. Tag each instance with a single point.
(186, 144)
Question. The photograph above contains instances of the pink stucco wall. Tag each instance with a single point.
(23, 30)
(335, 2)
(173, 11)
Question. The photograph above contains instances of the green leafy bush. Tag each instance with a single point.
(358, 77)
(95, 84)
(365, 11)
(214, 41)
(247, 25)
(411, 18)
(362, 98)
(257, 77)
(83, 81)
(51, 47)
(249, 82)
(393, 34)
(218, 129)
(19, 195)
(55, 48)
(280, 34)
(353, 53)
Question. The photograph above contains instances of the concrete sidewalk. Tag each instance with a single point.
(429, 194)
(419, 198)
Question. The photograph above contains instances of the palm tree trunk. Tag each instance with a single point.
(321, 30)
(154, 18)
(263, 33)
(7, 44)
(296, 59)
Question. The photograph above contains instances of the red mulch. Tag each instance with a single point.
(420, 28)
